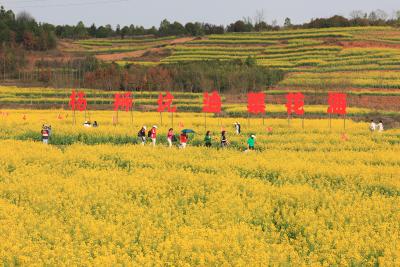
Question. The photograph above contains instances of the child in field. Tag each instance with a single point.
(142, 135)
(95, 124)
(183, 140)
(153, 135)
(372, 126)
(87, 124)
(380, 126)
(45, 134)
(207, 139)
(170, 136)
(224, 140)
(251, 141)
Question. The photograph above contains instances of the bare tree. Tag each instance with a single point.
(381, 14)
(259, 16)
(396, 15)
(357, 14)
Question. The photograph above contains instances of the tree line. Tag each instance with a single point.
(22, 29)
(225, 76)
(256, 24)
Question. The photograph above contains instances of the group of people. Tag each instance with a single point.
(376, 127)
(88, 124)
(143, 134)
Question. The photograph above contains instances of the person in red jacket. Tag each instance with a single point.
(183, 139)
(153, 135)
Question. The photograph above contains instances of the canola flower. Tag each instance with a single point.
(306, 197)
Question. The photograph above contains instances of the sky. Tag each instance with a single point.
(151, 12)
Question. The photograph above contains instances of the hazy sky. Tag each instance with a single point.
(151, 12)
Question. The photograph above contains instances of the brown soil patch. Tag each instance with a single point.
(140, 53)
(367, 44)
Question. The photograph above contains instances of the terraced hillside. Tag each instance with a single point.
(362, 57)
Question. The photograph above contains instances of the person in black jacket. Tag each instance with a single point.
(142, 135)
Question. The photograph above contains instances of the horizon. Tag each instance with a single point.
(103, 12)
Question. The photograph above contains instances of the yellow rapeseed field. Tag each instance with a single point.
(314, 196)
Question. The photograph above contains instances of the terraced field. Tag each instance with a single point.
(313, 58)
(323, 59)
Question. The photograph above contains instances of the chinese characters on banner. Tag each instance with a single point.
(165, 103)
(256, 103)
(123, 101)
(295, 103)
(337, 105)
(212, 103)
(78, 101)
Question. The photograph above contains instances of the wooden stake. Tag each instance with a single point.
(74, 118)
(131, 117)
(205, 121)
(161, 118)
(302, 122)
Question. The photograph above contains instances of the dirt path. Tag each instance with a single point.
(139, 53)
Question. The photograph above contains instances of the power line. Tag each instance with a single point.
(71, 4)
(24, 1)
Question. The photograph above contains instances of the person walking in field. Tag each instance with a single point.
(45, 134)
(142, 135)
(170, 137)
(224, 140)
(251, 142)
(153, 135)
(183, 140)
(207, 139)
(380, 126)
(372, 126)
(237, 128)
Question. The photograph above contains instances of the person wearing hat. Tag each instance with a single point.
(251, 142)
(142, 135)
(153, 135)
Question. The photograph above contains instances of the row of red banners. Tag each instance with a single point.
(212, 102)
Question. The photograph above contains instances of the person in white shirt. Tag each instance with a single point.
(372, 126)
(380, 126)
(237, 128)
